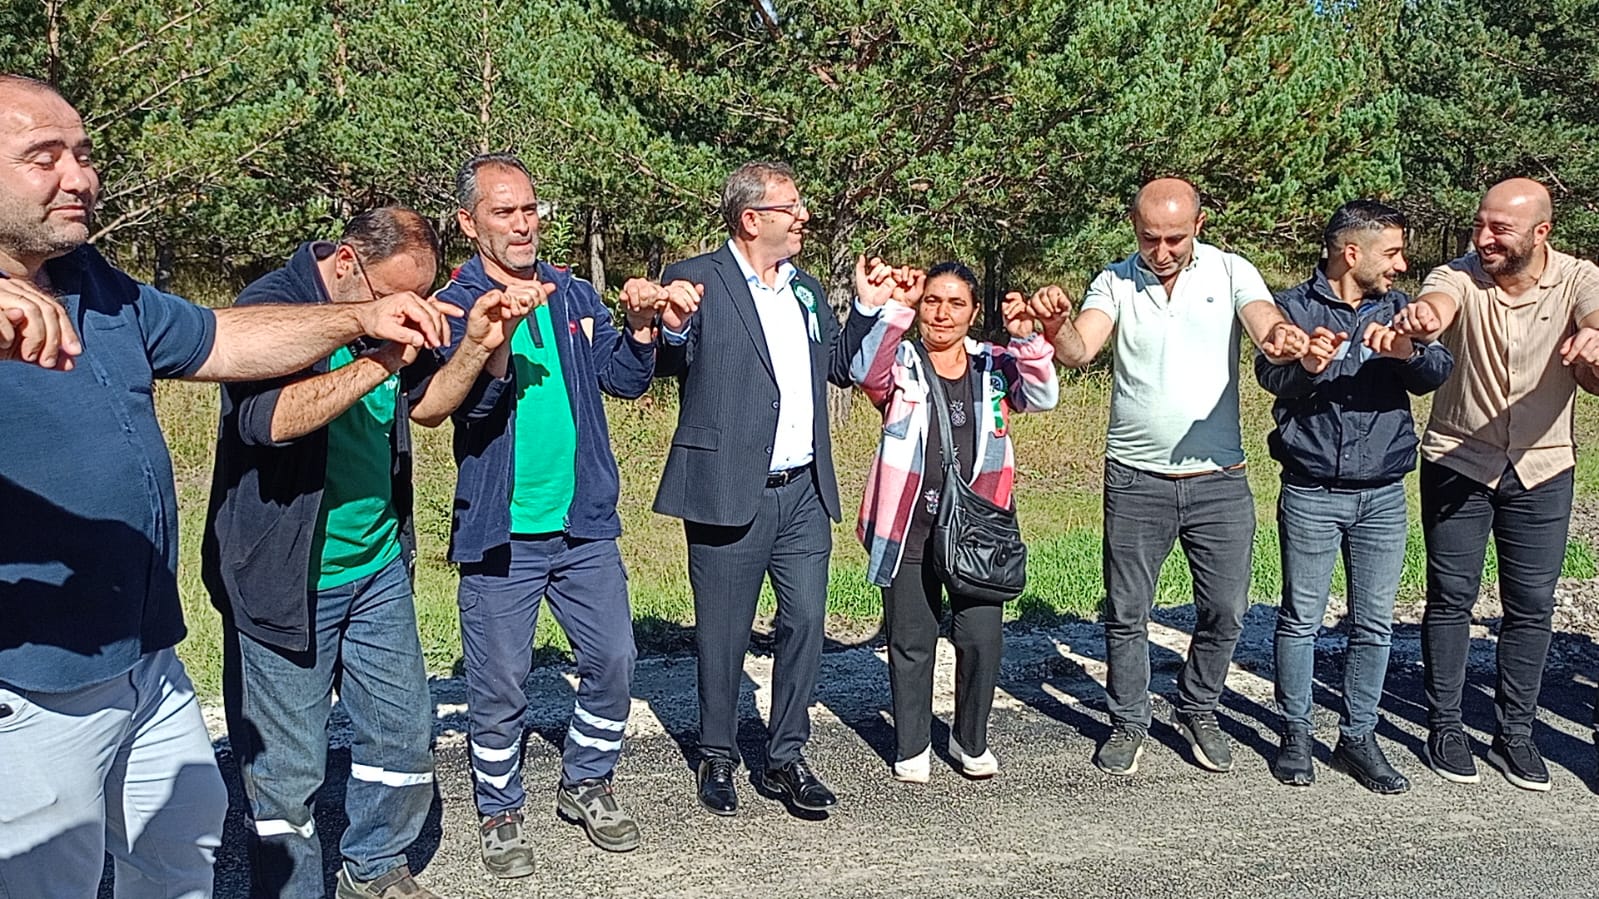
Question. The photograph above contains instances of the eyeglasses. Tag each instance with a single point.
(370, 290)
(794, 208)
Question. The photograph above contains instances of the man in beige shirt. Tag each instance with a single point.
(1497, 456)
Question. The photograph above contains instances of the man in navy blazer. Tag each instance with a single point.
(750, 471)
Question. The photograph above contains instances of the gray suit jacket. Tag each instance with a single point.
(716, 468)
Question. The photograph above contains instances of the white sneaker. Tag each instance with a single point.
(915, 770)
(984, 765)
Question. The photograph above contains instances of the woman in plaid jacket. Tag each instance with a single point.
(984, 383)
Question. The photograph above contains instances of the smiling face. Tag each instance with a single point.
(1508, 231)
(778, 227)
(1375, 259)
(48, 183)
(946, 312)
(504, 223)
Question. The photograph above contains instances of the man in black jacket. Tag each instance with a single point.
(750, 471)
(1345, 439)
(308, 553)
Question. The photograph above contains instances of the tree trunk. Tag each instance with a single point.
(485, 100)
(655, 260)
(164, 263)
(840, 283)
(594, 238)
(52, 38)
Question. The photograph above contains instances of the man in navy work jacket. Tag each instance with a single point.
(750, 471)
(535, 514)
(102, 746)
(308, 553)
(1346, 440)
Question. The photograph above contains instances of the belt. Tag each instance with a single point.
(787, 475)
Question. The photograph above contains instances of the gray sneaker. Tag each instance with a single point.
(1211, 749)
(397, 884)
(1119, 754)
(592, 804)
(506, 852)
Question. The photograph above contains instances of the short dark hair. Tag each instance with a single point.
(389, 231)
(960, 270)
(1360, 215)
(747, 186)
(466, 192)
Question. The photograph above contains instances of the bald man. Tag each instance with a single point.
(102, 746)
(1174, 460)
(1497, 457)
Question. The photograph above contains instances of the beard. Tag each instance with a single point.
(27, 238)
(1514, 259)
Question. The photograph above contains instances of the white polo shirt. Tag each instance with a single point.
(1174, 399)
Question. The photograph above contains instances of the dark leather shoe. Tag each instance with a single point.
(1363, 759)
(717, 792)
(1295, 764)
(797, 783)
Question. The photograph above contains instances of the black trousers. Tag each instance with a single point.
(912, 608)
(789, 541)
(1529, 530)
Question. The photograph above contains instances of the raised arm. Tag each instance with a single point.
(1280, 340)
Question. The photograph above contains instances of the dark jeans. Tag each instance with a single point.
(499, 598)
(1315, 525)
(1529, 530)
(1213, 517)
(912, 607)
(366, 643)
(789, 541)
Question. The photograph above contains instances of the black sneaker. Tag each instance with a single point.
(1517, 757)
(1363, 759)
(1211, 749)
(1294, 765)
(1449, 754)
(1119, 754)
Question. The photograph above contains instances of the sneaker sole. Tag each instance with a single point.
(913, 777)
(1199, 754)
(1451, 776)
(1297, 781)
(1499, 761)
(511, 871)
(565, 811)
(1125, 772)
(1368, 783)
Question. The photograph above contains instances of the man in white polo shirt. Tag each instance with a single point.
(1174, 466)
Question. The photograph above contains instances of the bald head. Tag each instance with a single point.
(1166, 220)
(1513, 222)
(1166, 197)
(15, 85)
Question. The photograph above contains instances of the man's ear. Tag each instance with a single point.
(463, 220)
(1199, 223)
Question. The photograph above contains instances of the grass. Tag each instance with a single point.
(1059, 458)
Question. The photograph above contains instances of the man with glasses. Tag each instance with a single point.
(750, 472)
(309, 551)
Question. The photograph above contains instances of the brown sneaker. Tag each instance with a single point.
(397, 884)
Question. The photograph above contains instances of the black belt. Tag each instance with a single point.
(787, 475)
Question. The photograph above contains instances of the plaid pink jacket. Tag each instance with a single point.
(887, 368)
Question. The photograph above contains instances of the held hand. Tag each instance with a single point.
(394, 356)
(496, 314)
(1018, 315)
(35, 327)
(1385, 341)
(1285, 342)
(640, 299)
(1053, 307)
(874, 282)
(1416, 320)
(1582, 346)
(1322, 349)
(407, 318)
(682, 301)
(908, 286)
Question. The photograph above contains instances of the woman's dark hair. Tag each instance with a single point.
(959, 270)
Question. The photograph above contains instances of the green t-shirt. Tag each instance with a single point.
(357, 530)
(546, 436)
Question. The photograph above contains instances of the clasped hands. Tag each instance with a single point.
(877, 282)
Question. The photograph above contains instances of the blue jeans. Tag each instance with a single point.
(499, 599)
(366, 644)
(1315, 526)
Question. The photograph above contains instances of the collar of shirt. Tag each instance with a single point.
(1142, 267)
(785, 272)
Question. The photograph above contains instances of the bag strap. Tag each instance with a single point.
(946, 429)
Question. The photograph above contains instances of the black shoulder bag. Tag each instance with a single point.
(977, 545)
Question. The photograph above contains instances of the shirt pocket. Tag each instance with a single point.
(115, 346)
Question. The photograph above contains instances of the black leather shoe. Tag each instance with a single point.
(1295, 764)
(717, 792)
(797, 783)
(1363, 759)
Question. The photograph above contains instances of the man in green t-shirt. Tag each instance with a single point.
(308, 553)
(536, 514)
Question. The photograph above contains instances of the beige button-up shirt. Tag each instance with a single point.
(1509, 400)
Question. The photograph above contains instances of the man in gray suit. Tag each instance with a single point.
(750, 471)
